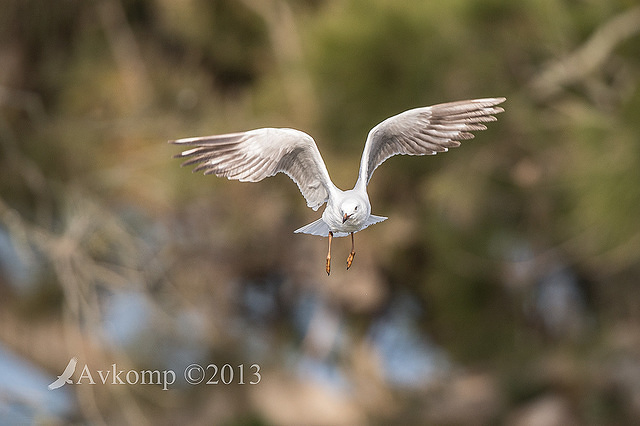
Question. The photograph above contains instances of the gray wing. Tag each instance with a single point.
(254, 155)
(425, 131)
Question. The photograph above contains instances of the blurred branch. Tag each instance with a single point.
(579, 64)
(287, 47)
(14, 160)
(125, 51)
(80, 273)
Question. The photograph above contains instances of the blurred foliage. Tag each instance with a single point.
(520, 248)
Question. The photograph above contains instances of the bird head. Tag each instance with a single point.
(352, 209)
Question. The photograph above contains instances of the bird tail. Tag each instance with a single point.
(321, 229)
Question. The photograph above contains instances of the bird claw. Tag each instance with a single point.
(350, 259)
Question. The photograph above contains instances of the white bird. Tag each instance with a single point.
(256, 154)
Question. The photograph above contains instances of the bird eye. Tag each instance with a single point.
(356, 208)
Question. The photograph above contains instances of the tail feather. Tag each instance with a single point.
(321, 229)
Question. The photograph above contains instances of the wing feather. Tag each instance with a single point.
(426, 131)
(257, 154)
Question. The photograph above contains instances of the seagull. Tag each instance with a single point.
(256, 154)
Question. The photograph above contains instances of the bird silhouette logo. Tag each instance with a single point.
(65, 377)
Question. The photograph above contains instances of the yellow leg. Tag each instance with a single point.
(352, 254)
(328, 267)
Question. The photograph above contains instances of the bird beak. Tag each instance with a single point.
(345, 217)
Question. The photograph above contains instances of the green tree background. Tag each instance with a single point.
(503, 288)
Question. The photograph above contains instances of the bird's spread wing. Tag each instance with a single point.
(425, 131)
(254, 155)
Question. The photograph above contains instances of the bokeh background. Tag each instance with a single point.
(503, 289)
